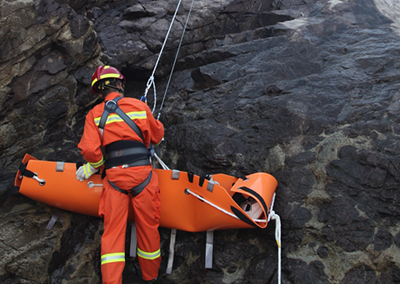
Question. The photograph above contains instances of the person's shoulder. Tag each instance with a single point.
(99, 106)
(97, 109)
(135, 101)
(132, 99)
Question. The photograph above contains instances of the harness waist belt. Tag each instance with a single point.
(143, 162)
(134, 190)
(128, 152)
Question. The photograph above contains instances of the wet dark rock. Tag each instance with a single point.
(323, 252)
(362, 274)
(305, 90)
(382, 240)
(301, 272)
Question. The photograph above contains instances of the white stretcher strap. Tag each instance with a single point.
(133, 244)
(171, 251)
(209, 248)
(53, 219)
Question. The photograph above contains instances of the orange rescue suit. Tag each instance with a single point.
(114, 205)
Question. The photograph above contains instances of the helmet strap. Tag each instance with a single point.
(119, 87)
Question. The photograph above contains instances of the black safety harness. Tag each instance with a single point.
(125, 153)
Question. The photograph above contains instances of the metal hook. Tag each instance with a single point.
(41, 181)
(91, 184)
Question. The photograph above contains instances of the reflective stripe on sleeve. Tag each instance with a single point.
(148, 255)
(113, 257)
(86, 169)
(116, 118)
(98, 164)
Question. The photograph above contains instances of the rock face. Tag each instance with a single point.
(305, 90)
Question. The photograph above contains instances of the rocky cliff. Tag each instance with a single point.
(305, 90)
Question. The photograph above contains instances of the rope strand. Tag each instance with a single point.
(151, 82)
(176, 58)
(277, 219)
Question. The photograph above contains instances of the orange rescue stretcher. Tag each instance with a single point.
(188, 202)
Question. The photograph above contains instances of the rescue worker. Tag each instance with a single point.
(128, 174)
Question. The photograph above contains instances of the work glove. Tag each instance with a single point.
(85, 172)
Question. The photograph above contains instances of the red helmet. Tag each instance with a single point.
(105, 72)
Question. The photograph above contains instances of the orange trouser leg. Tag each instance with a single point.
(147, 207)
(114, 209)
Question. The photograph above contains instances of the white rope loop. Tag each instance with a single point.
(151, 82)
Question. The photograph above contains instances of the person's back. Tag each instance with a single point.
(117, 130)
(128, 173)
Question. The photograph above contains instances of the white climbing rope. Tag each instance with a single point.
(272, 215)
(163, 165)
(277, 219)
(176, 58)
(272, 205)
(151, 82)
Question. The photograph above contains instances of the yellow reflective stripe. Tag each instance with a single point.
(98, 164)
(86, 169)
(148, 255)
(109, 75)
(94, 81)
(116, 118)
(113, 257)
